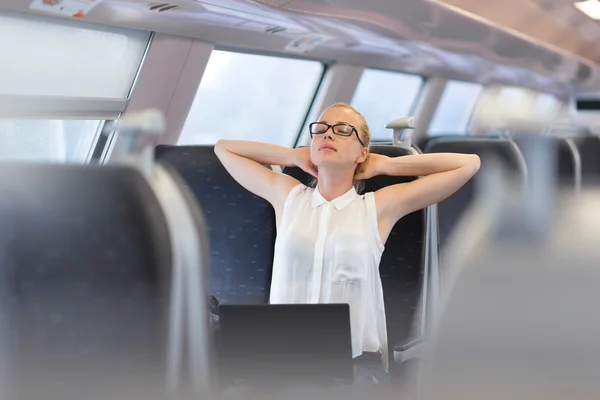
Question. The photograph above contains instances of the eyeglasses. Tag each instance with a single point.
(319, 128)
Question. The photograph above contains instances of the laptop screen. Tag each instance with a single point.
(282, 343)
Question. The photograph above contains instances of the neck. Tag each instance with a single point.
(333, 184)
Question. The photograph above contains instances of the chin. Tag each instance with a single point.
(330, 162)
(323, 159)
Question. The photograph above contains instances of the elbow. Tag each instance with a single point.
(220, 146)
(474, 163)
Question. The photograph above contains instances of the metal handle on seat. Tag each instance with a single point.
(188, 325)
(190, 254)
(138, 132)
(402, 131)
(412, 350)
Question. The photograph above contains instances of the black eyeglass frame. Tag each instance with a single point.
(332, 127)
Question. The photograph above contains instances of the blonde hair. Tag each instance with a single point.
(365, 136)
(363, 128)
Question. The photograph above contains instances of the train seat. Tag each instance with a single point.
(506, 151)
(589, 149)
(241, 225)
(86, 257)
(568, 165)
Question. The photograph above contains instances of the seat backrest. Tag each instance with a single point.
(567, 166)
(452, 209)
(505, 327)
(401, 266)
(85, 263)
(241, 225)
(423, 141)
(589, 150)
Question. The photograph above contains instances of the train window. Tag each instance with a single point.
(44, 56)
(546, 105)
(382, 96)
(62, 141)
(454, 109)
(511, 96)
(251, 97)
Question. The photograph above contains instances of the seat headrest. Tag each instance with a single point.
(390, 151)
(505, 149)
(100, 220)
(198, 154)
(467, 142)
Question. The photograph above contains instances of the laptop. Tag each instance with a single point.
(278, 344)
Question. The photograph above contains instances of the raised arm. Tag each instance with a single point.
(246, 161)
(442, 174)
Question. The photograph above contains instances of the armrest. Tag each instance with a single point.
(414, 349)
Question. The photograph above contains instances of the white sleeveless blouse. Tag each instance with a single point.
(329, 252)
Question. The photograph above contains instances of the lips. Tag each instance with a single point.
(327, 147)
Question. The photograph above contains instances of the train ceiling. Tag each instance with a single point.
(543, 44)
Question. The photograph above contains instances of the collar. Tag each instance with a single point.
(339, 202)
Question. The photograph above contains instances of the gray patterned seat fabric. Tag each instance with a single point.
(241, 225)
(84, 272)
(401, 266)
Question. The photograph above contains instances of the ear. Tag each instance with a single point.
(363, 156)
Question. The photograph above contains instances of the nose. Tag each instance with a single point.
(328, 134)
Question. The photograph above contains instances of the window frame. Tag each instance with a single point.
(101, 144)
(469, 128)
(70, 23)
(105, 139)
(104, 110)
(58, 107)
(326, 69)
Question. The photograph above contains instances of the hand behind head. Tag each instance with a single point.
(302, 160)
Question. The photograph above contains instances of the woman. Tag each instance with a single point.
(329, 238)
